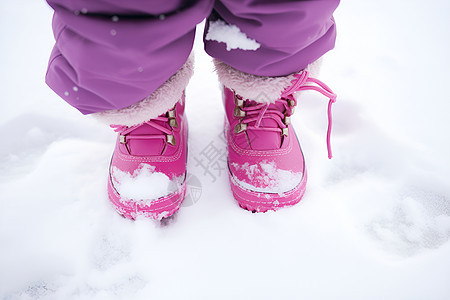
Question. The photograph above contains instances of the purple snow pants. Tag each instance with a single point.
(110, 54)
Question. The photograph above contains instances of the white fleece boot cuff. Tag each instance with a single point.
(258, 88)
(160, 101)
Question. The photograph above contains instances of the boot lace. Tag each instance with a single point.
(256, 113)
(167, 134)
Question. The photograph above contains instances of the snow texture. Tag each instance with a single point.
(270, 178)
(231, 35)
(373, 224)
(143, 184)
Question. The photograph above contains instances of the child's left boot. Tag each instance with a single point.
(265, 161)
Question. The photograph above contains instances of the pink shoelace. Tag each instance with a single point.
(303, 82)
(167, 133)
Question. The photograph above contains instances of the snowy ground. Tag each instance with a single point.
(374, 223)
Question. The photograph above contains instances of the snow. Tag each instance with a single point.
(136, 186)
(271, 178)
(231, 35)
(373, 224)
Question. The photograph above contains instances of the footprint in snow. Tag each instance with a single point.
(420, 220)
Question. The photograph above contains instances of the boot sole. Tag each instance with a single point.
(158, 209)
(263, 202)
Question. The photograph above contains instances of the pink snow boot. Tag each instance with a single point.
(148, 167)
(147, 174)
(266, 164)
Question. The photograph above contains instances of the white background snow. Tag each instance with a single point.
(231, 35)
(373, 224)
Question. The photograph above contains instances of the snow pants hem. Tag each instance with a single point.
(111, 54)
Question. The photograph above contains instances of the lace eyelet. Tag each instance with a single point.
(238, 100)
(172, 118)
(238, 112)
(173, 123)
(171, 114)
(240, 127)
(170, 139)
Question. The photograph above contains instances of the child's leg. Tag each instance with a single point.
(261, 62)
(291, 34)
(127, 63)
(111, 54)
